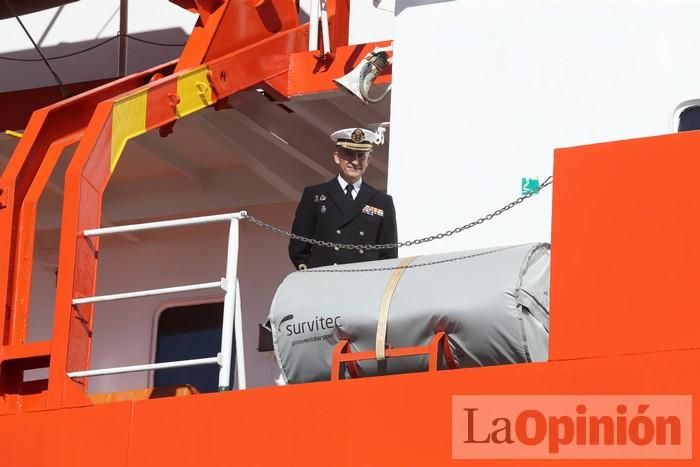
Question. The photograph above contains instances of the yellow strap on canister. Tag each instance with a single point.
(384, 307)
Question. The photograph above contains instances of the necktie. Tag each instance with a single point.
(348, 193)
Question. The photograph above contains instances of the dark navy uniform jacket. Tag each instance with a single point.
(325, 214)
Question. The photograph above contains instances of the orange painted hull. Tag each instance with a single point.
(402, 420)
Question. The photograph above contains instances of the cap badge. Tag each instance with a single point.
(357, 135)
(322, 197)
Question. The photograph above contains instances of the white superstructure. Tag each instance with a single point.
(484, 91)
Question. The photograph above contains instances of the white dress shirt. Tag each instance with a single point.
(356, 186)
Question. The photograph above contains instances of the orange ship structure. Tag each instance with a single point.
(624, 260)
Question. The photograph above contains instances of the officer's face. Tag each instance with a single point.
(351, 164)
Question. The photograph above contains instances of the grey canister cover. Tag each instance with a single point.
(493, 304)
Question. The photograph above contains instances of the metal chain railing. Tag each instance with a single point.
(413, 265)
(388, 246)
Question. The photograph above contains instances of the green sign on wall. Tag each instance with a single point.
(529, 185)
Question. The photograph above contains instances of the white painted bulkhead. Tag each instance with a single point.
(485, 90)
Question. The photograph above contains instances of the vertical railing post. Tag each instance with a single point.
(325, 33)
(314, 15)
(238, 327)
(230, 305)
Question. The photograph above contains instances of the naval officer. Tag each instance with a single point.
(345, 210)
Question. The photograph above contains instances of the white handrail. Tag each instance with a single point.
(314, 15)
(232, 317)
(148, 293)
(162, 224)
(325, 29)
(147, 367)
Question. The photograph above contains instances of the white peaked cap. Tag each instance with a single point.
(357, 139)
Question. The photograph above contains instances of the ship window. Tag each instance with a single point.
(689, 119)
(188, 332)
